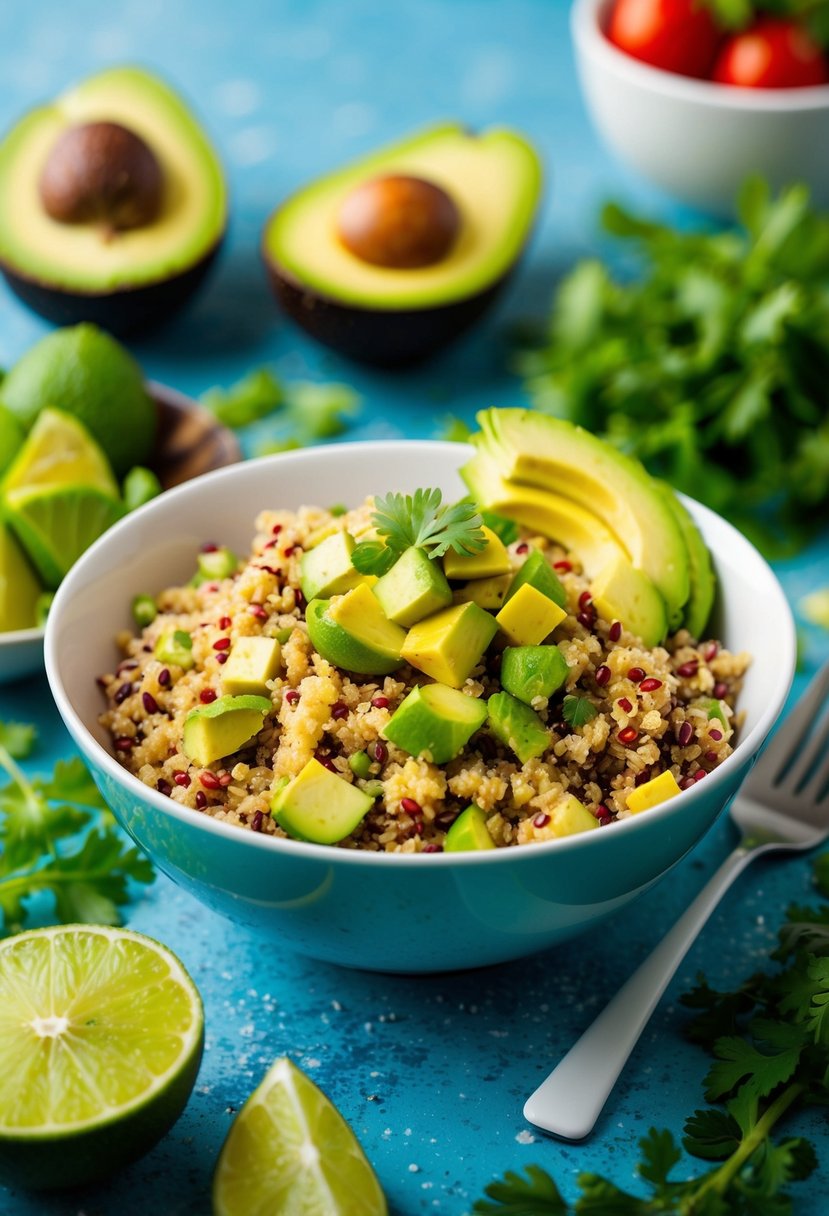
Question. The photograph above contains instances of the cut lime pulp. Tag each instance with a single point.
(59, 450)
(289, 1150)
(101, 1034)
(56, 524)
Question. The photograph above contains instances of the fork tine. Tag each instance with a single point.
(774, 762)
(804, 764)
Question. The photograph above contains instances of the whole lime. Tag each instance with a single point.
(11, 437)
(85, 372)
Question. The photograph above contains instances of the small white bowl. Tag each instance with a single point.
(385, 911)
(696, 139)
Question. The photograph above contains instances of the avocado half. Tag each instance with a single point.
(393, 316)
(129, 279)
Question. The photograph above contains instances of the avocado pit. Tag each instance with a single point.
(102, 173)
(399, 222)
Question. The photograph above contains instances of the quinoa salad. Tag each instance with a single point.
(624, 715)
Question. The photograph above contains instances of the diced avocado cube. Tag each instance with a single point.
(215, 564)
(175, 646)
(251, 663)
(354, 633)
(651, 793)
(448, 645)
(415, 587)
(320, 534)
(532, 671)
(537, 572)
(570, 816)
(469, 832)
(517, 726)
(222, 727)
(529, 616)
(360, 764)
(489, 593)
(623, 593)
(144, 610)
(717, 709)
(327, 570)
(319, 806)
(493, 559)
(436, 721)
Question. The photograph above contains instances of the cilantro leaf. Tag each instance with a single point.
(506, 530)
(711, 1134)
(255, 396)
(535, 1195)
(577, 710)
(373, 557)
(741, 1062)
(421, 521)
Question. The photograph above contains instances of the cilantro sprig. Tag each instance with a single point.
(422, 521)
(769, 1046)
(58, 837)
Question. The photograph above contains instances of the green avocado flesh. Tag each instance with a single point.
(538, 572)
(80, 256)
(495, 180)
(319, 806)
(469, 833)
(222, 727)
(532, 671)
(369, 645)
(703, 584)
(517, 726)
(437, 720)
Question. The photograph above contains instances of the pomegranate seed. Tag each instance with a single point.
(100, 681)
(711, 757)
(149, 702)
(541, 820)
(688, 669)
(290, 550)
(584, 599)
(268, 569)
(329, 764)
(720, 690)
(716, 735)
(128, 665)
(270, 544)
(299, 600)
(522, 548)
(122, 693)
(225, 622)
(164, 787)
(292, 696)
(587, 619)
(182, 779)
(699, 774)
(276, 529)
(603, 674)
(650, 684)
(201, 799)
(410, 806)
(686, 783)
(221, 644)
(164, 677)
(339, 711)
(124, 744)
(209, 780)
(711, 651)
(225, 780)
(615, 631)
(642, 777)
(603, 814)
(636, 674)
(256, 822)
(564, 566)
(258, 611)
(378, 752)
(222, 658)
(629, 735)
(432, 848)
(209, 547)
(624, 704)
(685, 734)
(207, 695)
(380, 702)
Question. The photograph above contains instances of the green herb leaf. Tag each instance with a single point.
(373, 557)
(577, 710)
(420, 520)
(506, 530)
(18, 738)
(255, 396)
(533, 1195)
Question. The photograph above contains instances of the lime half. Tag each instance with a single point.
(59, 450)
(56, 524)
(289, 1150)
(101, 1033)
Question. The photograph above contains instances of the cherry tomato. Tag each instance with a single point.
(771, 54)
(676, 35)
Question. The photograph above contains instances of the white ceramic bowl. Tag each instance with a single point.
(189, 442)
(391, 912)
(696, 139)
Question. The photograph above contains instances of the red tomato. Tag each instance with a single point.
(771, 54)
(676, 35)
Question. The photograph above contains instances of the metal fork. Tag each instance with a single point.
(783, 804)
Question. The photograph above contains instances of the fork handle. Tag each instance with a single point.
(570, 1101)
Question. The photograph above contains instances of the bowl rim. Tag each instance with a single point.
(165, 505)
(586, 19)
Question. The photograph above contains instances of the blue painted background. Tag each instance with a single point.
(431, 1073)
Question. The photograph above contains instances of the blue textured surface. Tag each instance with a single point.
(431, 1073)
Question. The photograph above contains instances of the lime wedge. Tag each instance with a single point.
(290, 1150)
(19, 586)
(59, 450)
(55, 524)
(101, 1034)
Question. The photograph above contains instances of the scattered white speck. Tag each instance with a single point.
(386, 1133)
(761, 920)
(247, 1030)
(414, 1169)
(426, 1186)
(367, 1027)
(354, 118)
(374, 1074)
(407, 1131)
(227, 975)
(252, 145)
(312, 1062)
(499, 1034)
(238, 98)
(205, 1089)
(525, 1137)
(336, 1006)
(462, 1096)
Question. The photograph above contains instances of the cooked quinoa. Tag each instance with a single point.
(653, 709)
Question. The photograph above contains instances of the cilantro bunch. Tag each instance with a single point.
(711, 364)
(769, 1048)
(58, 837)
(305, 413)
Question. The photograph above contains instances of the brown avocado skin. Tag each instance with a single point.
(386, 338)
(126, 312)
